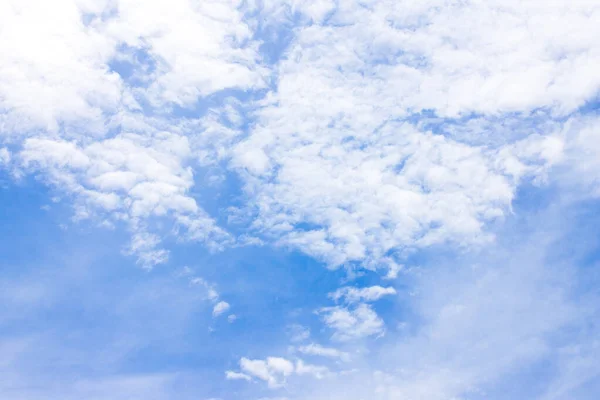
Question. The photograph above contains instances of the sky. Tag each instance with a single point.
(299, 200)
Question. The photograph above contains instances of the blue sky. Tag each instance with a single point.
(218, 200)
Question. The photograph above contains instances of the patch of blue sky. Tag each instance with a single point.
(133, 64)
(92, 314)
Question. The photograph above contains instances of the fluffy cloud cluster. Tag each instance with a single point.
(275, 370)
(452, 57)
(131, 178)
(352, 195)
(350, 159)
(352, 323)
(54, 70)
(57, 65)
(354, 295)
(196, 48)
(347, 156)
(75, 72)
(314, 349)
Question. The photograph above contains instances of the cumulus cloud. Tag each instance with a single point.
(221, 56)
(231, 375)
(66, 89)
(220, 308)
(54, 68)
(4, 156)
(275, 370)
(359, 195)
(452, 57)
(354, 295)
(328, 165)
(314, 349)
(352, 323)
(59, 71)
(316, 371)
(581, 169)
(332, 172)
(130, 178)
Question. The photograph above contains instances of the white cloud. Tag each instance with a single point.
(198, 49)
(455, 58)
(231, 375)
(256, 368)
(211, 292)
(275, 370)
(330, 171)
(298, 333)
(4, 156)
(352, 323)
(280, 365)
(145, 246)
(59, 90)
(317, 371)
(365, 195)
(56, 59)
(354, 295)
(129, 178)
(326, 168)
(314, 349)
(220, 308)
(54, 68)
(581, 156)
(482, 321)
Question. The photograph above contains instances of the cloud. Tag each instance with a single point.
(316, 371)
(129, 178)
(580, 166)
(490, 323)
(275, 370)
(349, 197)
(68, 85)
(454, 58)
(298, 333)
(314, 349)
(328, 164)
(4, 156)
(220, 308)
(61, 73)
(221, 56)
(54, 68)
(331, 169)
(354, 295)
(237, 376)
(352, 323)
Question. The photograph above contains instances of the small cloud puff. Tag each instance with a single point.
(355, 295)
(220, 308)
